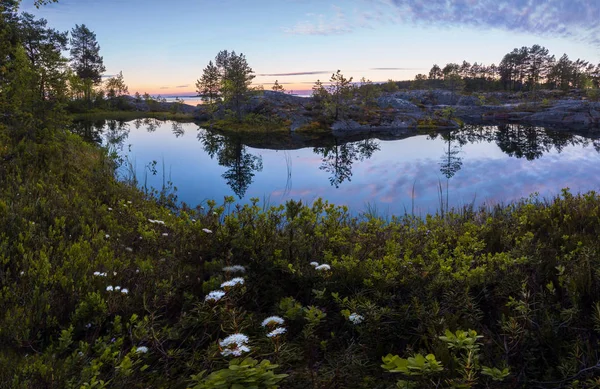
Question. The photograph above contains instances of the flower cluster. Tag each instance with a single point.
(98, 274)
(141, 350)
(355, 318)
(235, 345)
(276, 332)
(234, 269)
(272, 323)
(323, 267)
(111, 288)
(215, 295)
(207, 230)
(233, 282)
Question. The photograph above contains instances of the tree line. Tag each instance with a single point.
(37, 81)
(523, 69)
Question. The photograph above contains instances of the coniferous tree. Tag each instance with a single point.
(85, 58)
(43, 47)
(278, 87)
(340, 90)
(115, 86)
(209, 86)
(435, 73)
(236, 78)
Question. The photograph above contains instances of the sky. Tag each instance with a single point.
(162, 46)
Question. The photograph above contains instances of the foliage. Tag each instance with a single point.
(240, 374)
(277, 87)
(516, 274)
(340, 92)
(229, 79)
(85, 58)
(209, 87)
(115, 86)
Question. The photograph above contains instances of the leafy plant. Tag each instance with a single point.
(241, 374)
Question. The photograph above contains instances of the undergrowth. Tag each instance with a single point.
(104, 286)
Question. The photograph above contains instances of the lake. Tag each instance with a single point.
(392, 173)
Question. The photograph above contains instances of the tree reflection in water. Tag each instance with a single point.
(230, 152)
(339, 157)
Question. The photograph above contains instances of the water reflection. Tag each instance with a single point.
(339, 157)
(231, 153)
(519, 141)
(385, 169)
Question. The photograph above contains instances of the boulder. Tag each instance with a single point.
(391, 101)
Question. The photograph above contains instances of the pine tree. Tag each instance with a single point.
(85, 58)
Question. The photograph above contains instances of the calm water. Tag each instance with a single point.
(480, 164)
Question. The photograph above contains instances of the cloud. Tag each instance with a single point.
(164, 87)
(294, 74)
(319, 24)
(575, 19)
(182, 86)
(107, 75)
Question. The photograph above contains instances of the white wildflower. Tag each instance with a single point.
(234, 269)
(272, 320)
(22, 272)
(276, 332)
(107, 236)
(215, 214)
(97, 273)
(109, 288)
(215, 295)
(129, 202)
(355, 318)
(109, 208)
(124, 290)
(103, 274)
(141, 350)
(117, 288)
(235, 339)
(315, 264)
(165, 234)
(236, 351)
(207, 230)
(232, 282)
(129, 249)
(114, 273)
(137, 270)
(235, 345)
(323, 267)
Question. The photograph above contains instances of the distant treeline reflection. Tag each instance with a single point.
(338, 153)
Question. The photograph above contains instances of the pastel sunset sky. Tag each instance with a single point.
(162, 46)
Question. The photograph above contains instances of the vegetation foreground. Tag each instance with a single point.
(103, 286)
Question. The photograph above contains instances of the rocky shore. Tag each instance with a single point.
(419, 109)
